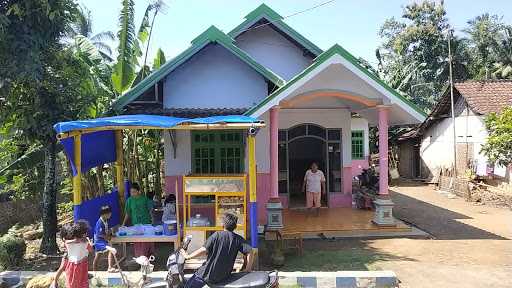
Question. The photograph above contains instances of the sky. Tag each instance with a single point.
(353, 24)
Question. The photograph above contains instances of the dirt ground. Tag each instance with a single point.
(469, 247)
(471, 244)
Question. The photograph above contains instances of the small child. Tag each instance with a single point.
(102, 234)
(75, 264)
(65, 234)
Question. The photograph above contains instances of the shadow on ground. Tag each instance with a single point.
(437, 221)
(327, 255)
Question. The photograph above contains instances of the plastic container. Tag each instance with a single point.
(170, 228)
(149, 230)
(199, 221)
(159, 230)
(138, 229)
(122, 231)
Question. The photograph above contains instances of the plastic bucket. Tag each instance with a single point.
(170, 227)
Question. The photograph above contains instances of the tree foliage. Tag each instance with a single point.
(82, 27)
(498, 147)
(130, 48)
(44, 84)
(482, 32)
(414, 52)
(124, 69)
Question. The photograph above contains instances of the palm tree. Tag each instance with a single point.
(483, 34)
(503, 65)
(83, 27)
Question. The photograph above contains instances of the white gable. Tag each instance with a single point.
(214, 78)
(274, 51)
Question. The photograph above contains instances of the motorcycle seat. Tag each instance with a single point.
(256, 279)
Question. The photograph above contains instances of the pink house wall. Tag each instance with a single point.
(343, 199)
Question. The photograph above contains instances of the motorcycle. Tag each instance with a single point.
(176, 278)
(369, 179)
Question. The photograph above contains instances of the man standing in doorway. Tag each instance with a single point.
(314, 186)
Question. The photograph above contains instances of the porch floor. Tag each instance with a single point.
(337, 222)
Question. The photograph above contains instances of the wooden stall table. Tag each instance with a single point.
(143, 238)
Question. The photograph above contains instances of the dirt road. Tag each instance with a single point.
(470, 246)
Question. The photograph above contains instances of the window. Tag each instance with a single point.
(217, 152)
(357, 144)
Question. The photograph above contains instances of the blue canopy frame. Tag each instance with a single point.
(94, 142)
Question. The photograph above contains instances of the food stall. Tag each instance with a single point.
(94, 142)
(207, 198)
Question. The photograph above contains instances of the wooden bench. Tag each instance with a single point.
(288, 240)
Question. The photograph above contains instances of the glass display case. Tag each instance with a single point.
(207, 198)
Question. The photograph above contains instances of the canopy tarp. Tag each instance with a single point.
(147, 121)
(98, 145)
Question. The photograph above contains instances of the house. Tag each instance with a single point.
(317, 104)
(430, 147)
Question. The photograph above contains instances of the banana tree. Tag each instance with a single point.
(130, 48)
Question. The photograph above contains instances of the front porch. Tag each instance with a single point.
(337, 222)
(311, 121)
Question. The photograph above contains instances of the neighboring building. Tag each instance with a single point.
(265, 69)
(430, 148)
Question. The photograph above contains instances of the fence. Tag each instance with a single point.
(476, 192)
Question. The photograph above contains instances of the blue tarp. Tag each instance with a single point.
(147, 121)
(90, 210)
(98, 147)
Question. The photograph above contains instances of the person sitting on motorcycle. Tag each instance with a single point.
(221, 249)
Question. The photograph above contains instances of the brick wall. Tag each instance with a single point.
(20, 211)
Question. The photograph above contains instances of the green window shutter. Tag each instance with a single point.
(358, 144)
(220, 152)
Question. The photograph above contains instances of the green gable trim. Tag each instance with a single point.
(336, 49)
(263, 11)
(211, 35)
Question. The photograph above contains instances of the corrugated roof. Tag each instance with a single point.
(486, 96)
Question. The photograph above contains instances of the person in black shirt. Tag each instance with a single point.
(221, 249)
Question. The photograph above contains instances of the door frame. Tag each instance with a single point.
(285, 140)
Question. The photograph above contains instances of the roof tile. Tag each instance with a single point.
(486, 96)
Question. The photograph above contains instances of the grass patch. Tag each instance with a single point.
(330, 256)
(333, 260)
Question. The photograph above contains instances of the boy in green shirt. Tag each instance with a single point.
(138, 210)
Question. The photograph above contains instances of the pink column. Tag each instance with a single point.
(383, 149)
(274, 147)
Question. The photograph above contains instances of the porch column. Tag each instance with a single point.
(383, 149)
(383, 204)
(274, 157)
(274, 207)
(120, 169)
(253, 205)
(77, 178)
